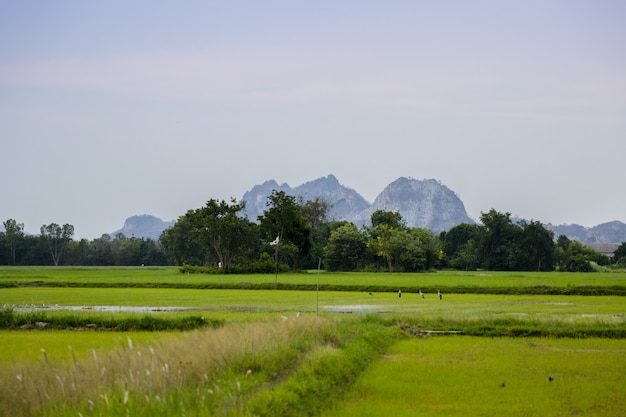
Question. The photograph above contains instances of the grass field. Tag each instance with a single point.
(452, 375)
(303, 352)
(169, 276)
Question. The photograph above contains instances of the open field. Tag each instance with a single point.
(346, 353)
(230, 303)
(448, 281)
(451, 376)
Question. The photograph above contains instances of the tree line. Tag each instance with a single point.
(55, 246)
(293, 234)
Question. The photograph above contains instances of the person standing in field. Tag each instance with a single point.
(421, 294)
(439, 294)
(399, 293)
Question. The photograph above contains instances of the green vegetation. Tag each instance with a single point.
(227, 345)
(294, 235)
(292, 367)
(450, 376)
(9, 319)
(477, 282)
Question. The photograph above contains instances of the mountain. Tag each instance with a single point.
(345, 201)
(611, 232)
(256, 198)
(143, 226)
(427, 203)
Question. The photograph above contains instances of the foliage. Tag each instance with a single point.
(345, 249)
(57, 237)
(459, 246)
(219, 225)
(500, 244)
(619, 255)
(572, 256)
(284, 220)
(403, 249)
(14, 234)
(316, 214)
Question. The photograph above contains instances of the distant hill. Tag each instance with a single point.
(611, 232)
(345, 201)
(143, 226)
(422, 203)
(426, 203)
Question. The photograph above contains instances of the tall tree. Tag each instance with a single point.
(284, 219)
(219, 225)
(184, 245)
(619, 256)
(387, 232)
(454, 240)
(538, 247)
(58, 238)
(14, 233)
(499, 239)
(316, 212)
(390, 218)
(345, 248)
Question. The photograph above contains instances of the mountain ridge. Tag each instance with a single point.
(404, 195)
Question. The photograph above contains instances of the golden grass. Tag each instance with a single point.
(151, 372)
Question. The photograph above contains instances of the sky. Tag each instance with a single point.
(117, 108)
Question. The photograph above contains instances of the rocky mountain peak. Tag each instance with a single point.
(426, 203)
(143, 226)
(421, 203)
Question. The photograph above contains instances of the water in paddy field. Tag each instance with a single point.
(114, 309)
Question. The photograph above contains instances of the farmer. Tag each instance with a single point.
(399, 293)
(439, 294)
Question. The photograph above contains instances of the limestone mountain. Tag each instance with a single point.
(256, 198)
(427, 203)
(421, 203)
(610, 232)
(143, 226)
(345, 201)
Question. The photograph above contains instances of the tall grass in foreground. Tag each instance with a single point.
(226, 371)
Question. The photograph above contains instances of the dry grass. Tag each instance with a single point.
(212, 362)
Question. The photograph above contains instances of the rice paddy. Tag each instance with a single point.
(357, 350)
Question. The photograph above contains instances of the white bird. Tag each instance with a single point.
(276, 241)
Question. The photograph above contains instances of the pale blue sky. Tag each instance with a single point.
(111, 109)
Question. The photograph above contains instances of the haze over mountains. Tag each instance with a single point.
(422, 203)
(426, 203)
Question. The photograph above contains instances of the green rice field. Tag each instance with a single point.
(355, 347)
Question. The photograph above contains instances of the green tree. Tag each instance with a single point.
(316, 214)
(184, 245)
(619, 255)
(58, 238)
(417, 251)
(385, 236)
(345, 248)
(538, 247)
(283, 219)
(383, 242)
(220, 226)
(391, 219)
(454, 243)
(573, 256)
(14, 234)
(499, 241)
